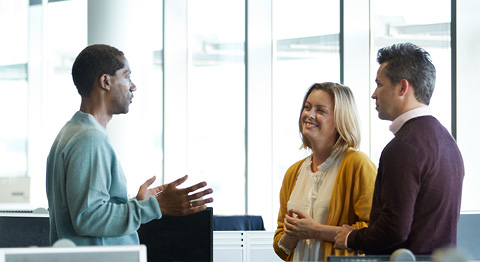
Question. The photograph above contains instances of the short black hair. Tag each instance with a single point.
(408, 61)
(91, 63)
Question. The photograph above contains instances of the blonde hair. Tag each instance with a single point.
(344, 113)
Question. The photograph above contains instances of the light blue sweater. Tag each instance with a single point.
(86, 189)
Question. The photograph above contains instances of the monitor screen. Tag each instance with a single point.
(373, 258)
(135, 253)
(24, 230)
(182, 238)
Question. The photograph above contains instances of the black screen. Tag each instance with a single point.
(182, 238)
(17, 231)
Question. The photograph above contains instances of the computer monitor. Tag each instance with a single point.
(24, 230)
(179, 238)
(373, 258)
(134, 253)
(467, 239)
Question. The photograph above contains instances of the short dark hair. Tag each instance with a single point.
(91, 63)
(408, 61)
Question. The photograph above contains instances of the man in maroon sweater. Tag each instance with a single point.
(416, 202)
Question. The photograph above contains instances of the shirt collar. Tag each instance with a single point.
(323, 167)
(413, 113)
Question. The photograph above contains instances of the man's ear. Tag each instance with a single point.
(405, 87)
(105, 82)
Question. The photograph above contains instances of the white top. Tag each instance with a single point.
(311, 194)
(416, 112)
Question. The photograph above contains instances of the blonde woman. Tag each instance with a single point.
(331, 187)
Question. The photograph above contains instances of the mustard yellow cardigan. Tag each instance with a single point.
(350, 203)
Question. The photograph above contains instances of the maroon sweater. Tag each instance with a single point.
(416, 202)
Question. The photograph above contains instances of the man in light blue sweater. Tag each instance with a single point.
(86, 187)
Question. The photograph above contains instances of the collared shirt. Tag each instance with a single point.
(311, 194)
(413, 113)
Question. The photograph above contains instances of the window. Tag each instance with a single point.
(306, 51)
(13, 83)
(467, 91)
(216, 100)
(395, 22)
(14, 107)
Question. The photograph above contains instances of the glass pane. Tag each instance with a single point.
(216, 100)
(61, 53)
(396, 22)
(13, 64)
(306, 51)
(13, 12)
(468, 109)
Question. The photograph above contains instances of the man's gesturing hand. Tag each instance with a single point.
(179, 202)
(145, 192)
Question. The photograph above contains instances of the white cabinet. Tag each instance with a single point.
(243, 246)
